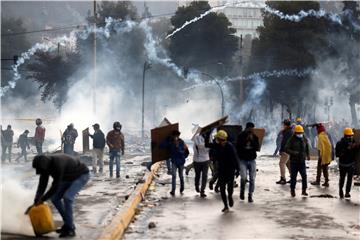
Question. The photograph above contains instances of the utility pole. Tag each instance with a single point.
(94, 63)
(146, 67)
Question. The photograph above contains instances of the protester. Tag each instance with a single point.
(287, 132)
(69, 177)
(23, 143)
(98, 148)
(6, 142)
(325, 156)
(116, 142)
(346, 150)
(228, 165)
(178, 152)
(278, 143)
(68, 138)
(201, 164)
(39, 136)
(299, 150)
(246, 146)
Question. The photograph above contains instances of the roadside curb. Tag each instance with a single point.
(121, 221)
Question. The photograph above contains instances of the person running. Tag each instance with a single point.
(284, 163)
(23, 143)
(98, 148)
(298, 149)
(115, 141)
(324, 147)
(201, 164)
(247, 145)
(346, 150)
(228, 165)
(178, 152)
(69, 177)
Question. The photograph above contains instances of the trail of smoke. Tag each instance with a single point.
(304, 14)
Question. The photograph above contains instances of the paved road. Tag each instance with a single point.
(273, 215)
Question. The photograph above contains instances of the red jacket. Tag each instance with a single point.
(39, 134)
(115, 140)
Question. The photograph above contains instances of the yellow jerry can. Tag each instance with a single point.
(41, 219)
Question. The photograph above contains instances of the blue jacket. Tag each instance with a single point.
(98, 139)
(178, 153)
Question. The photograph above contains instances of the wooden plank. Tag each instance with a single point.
(233, 132)
(158, 135)
(357, 156)
(86, 141)
(164, 122)
(260, 133)
(213, 125)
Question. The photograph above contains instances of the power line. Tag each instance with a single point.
(43, 30)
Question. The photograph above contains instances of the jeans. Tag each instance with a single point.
(181, 176)
(114, 155)
(324, 169)
(98, 154)
(215, 175)
(168, 165)
(246, 166)
(23, 154)
(39, 147)
(229, 183)
(298, 166)
(349, 171)
(69, 149)
(284, 163)
(64, 198)
(201, 169)
(3, 155)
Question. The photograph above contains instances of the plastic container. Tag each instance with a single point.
(41, 219)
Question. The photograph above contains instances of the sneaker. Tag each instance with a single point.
(304, 193)
(293, 193)
(282, 181)
(225, 209)
(211, 186)
(197, 189)
(242, 195)
(325, 184)
(341, 194)
(172, 193)
(316, 183)
(203, 195)
(187, 172)
(182, 190)
(231, 201)
(250, 199)
(67, 233)
(347, 195)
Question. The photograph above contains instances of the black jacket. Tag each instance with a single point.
(246, 145)
(297, 148)
(346, 152)
(225, 157)
(286, 135)
(61, 167)
(98, 139)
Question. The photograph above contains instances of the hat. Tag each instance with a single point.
(320, 128)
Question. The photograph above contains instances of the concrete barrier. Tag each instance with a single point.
(121, 221)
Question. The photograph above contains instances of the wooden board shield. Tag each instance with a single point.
(260, 133)
(213, 125)
(233, 132)
(158, 135)
(164, 122)
(85, 138)
(357, 156)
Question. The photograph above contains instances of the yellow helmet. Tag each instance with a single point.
(299, 129)
(298, 119)
(221, 134)
(348, 132)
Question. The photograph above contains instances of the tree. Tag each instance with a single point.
(204, 43)
(284, 44)
(53, 74)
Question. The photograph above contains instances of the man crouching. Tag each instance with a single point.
(69, 177)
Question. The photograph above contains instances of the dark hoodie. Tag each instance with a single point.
(61, 167)
(346, 152)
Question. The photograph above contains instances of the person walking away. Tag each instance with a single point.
(69, 138)
(215, 173)
(98, 148)
(39, 136)
(287, 132)
(116, 143)
(346, 150)
(69, 177)
(278, 143)
(299, 150)
(325, 156)
(6, 142)
(178, 154)
(228, 165)
(247, 145)
(23, 143)
(201, 164)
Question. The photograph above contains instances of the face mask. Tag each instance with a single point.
(299, 135)
(349, 138)
(118, 128)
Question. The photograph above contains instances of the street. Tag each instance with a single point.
(273, 215)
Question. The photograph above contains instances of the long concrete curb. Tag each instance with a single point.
(121, 221)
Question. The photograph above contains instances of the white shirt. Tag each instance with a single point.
(201, 153)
